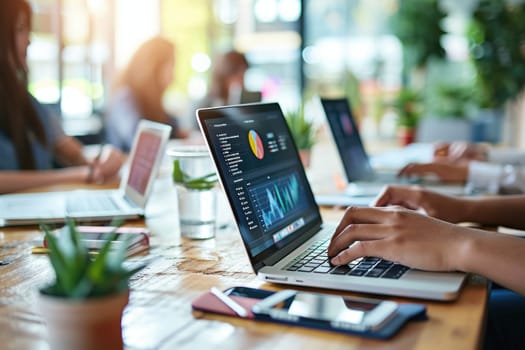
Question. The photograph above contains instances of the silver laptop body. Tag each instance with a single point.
(277, 216)
(127, 202)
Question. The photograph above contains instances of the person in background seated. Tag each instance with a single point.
(138, 93)
(492, 170)
(434, 242)
(227, 80)
(31, 140)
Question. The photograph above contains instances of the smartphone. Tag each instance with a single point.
(339, 312)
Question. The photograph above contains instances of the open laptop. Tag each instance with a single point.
(127, 202)
(278, 219)
(363, 180)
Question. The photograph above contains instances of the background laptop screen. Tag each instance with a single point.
(143, 161)
(261, 173)
(346, 136)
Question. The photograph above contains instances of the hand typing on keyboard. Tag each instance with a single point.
(395, 234)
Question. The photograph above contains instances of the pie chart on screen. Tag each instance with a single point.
(256, 144)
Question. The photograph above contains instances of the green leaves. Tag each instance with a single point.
(496, 36)
(303, 131)
(407, 106)
(417, 24)
(205, 182)
(78, 274)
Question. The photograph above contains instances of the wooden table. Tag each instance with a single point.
(159, 314)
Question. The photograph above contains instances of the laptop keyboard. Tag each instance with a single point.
(315, 259)
(90, 203)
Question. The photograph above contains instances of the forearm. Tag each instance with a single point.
(70, 152)
(498, 257)
(496, 210)
(12, 181)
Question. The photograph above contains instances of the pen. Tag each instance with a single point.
(232, 304)
(94, 163)
(39, 250)
(99, 154)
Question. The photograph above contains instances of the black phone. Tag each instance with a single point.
(334, 311)
(248, 292)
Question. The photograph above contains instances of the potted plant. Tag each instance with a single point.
(303, 132)
(83, 306)
(407, 106)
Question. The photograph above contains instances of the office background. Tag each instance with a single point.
(296, 49)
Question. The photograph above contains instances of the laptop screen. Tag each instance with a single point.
(145, 158)
(346, 136)
(261, 173)
(143, 162)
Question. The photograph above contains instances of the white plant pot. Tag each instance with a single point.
(84, 324)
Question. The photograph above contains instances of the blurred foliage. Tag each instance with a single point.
(417, 24)
(497, 45)
(303, 131)
(453, 101)
(408, 107)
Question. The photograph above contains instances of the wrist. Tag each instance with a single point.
(467, 246)
(469, 208)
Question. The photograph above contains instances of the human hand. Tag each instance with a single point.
(443, 207)
(445, 171)
(458, 152)
(398, 235)
(106, 166)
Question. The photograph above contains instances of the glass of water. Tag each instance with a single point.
(195, 179)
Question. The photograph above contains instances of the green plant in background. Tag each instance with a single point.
(201, 183)
(417, 24)
(407, 105)
(453, 101)
(303, 131)
(496, 36)
(80, 275)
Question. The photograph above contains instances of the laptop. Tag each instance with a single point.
(363, 180)
(277, 216)
(127, 202)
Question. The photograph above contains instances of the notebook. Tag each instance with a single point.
(127, 202)
(363, 180)
(277, 216)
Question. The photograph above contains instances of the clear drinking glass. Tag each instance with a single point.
(195, 178)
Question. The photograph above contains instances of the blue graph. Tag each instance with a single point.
(276, 199)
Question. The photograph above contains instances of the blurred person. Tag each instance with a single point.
(227, 79)
(138, 93)
(431, 240)
(480, 166)
(32, 141)
(226, 82)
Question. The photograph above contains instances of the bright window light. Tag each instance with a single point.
(200, 62)
(266, 10)
(289, 10)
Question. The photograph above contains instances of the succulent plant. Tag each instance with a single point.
(81, 275)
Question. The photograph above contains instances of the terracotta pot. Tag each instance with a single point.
(305, 156)
(84, 324)
(405, 135)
